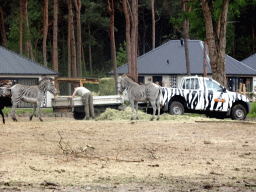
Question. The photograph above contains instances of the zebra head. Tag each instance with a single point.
(122, 85)
(46, 84)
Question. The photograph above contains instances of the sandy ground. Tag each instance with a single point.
(62, 154)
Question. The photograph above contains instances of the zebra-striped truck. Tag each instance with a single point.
(63, 104)
(204, 95)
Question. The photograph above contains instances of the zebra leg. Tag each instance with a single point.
(13, 112)
(158, 108)
(136, 104)
(1, 112)
(33, 113)
(132, 106)
(154, 110)
(39, 111)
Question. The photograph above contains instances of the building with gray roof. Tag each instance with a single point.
(167, 65)
(23, 71)
(250, 61)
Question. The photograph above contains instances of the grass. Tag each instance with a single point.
(26, 110)
(253, 110)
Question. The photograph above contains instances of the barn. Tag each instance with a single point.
(24, 71)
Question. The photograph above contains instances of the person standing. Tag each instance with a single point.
(87, 100)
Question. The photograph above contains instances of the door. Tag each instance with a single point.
(216, 99)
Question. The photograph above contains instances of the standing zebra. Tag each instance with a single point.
(142, 93)
(31, 94)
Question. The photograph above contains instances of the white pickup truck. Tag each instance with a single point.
(64, 104)
(205, 95)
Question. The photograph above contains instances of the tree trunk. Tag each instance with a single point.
(90, 51)
(131, 17)
(2, 27)
(205, 61)
(28, 45)
(128, 34)
(216, 41)
(110, 7)
(46, 23)
(79, 40)
(21, 27)
(72, 39)
(134, 38)
(144, 34)
(55, 35)
(253, 35)
(69, 40)
(153, 24)
(186, 37)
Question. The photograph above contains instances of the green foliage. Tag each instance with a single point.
(8, 110)
(94, 88)
(121, 55)
(252, 113)
(107, 86)
(30, 33)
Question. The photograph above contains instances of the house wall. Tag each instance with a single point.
(166, 79)
(254, 88)
(49, 96)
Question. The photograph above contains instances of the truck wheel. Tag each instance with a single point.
(78, 115)
(238, 112)
(176, 108)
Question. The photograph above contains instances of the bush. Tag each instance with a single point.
(253, 110)
(107, 86)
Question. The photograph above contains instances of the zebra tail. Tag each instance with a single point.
(160, 97)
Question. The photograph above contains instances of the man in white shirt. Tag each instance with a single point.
(87, 100)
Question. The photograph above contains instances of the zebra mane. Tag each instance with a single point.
(44, 80)
(131, 79)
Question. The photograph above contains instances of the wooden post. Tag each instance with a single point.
(244, 89)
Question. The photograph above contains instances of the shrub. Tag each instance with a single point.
(107, 86)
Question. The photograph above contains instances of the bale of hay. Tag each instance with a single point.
(116, 115)
(107, 86)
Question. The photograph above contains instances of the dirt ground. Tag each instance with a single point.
(62, 154)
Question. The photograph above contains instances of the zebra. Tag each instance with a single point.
(142, 93)
(31, 94)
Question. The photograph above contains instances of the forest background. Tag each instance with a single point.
(81, 43)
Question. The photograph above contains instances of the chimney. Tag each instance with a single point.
(181, 42)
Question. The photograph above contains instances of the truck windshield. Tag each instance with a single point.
(213, 86)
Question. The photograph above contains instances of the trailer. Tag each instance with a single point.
(65, 104)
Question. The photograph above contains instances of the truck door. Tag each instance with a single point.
(216, 98)
(192, 93)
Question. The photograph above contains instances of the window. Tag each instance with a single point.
(158, 80)
(141, 80)
(191, 83)
(213, 86)
(173, 81)
(233, 83)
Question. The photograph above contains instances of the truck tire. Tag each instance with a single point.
(238, 112)
(78, 115)
(176, 108)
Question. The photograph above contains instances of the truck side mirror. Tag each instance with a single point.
(224, 89)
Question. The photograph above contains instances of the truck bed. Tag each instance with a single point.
(67, 103)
